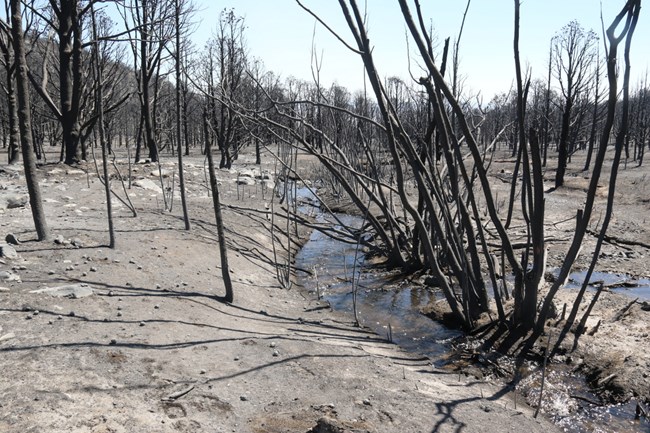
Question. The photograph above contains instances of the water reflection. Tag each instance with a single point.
(384, 306)
(616, 283)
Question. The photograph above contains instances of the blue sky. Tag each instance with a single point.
(280, 33)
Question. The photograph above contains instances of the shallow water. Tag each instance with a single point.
(392, 310)
(616, 283)
(389, 309)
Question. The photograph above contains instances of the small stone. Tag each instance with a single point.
(110, 293)
(77, 243)
(71, 314)
(276, 353)
(113, 342)
(243, 398)
(9, 276)
(119, 308)
(59, 317)
(12, 239)
(51, 272)
(36, 312)
(8, 252)
(93, 269)
(202, 371)
(17, 201)
(486, 408)
(59, 239)
(142, 323)
(119, 314)
(366, 402)
(8, 336)
(74, 291)
(156, 307)
(116, 260)
(139, 267)
(273, 344)
(158, 286)
(236, 358)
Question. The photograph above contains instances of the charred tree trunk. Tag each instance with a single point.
(563, 145)
(214, 187)
(70, 51)
(179, 135)
(99, 95)
(24, 116)
(145, 71)
(12, 114)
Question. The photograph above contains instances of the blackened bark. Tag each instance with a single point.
(214, 186)
(563, 145)
(179, 136)
(12, 108)
(70, 50)
(99, 95)
(12, 114)
(24, 116)
(145, 80)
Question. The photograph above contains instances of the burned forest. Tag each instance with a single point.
(192, 241)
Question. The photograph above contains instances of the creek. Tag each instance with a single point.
(391, 308)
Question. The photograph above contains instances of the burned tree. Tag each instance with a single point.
(24, 117)
(7, 60)
(151, 29)
(225, 68)
(456, 231)
(574, 52)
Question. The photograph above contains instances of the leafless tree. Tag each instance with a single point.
(456, 237)
(621, 30)
(9, 88)
(226, 65)
(597, 112)
(214, 188)
(574, 52)
(24, 117)
(179, 4)
(151, 29)
(99, 106)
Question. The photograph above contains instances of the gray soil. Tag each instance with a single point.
(141, 342)
(614, 349)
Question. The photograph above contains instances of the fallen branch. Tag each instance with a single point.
(521, 245)
(641, 411)
(617, 240)
(624, 311)
(595, 403)
(178, 394)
